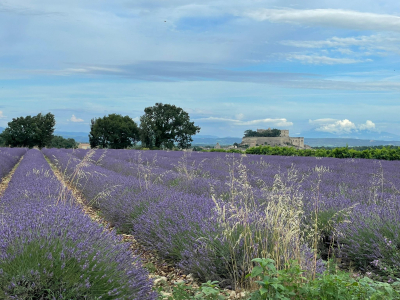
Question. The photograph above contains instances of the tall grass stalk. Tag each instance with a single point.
(265, 228)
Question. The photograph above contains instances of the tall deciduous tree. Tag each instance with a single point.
(113, 131)
(45, 129)
(162, 125)
(30, 131)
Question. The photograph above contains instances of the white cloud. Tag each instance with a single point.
(322, 60)
(329, 17)
(276, 122)
(369, 125)
(334, 42)
(2, 116)
(341, 126)
(378, 44)
(75, 119)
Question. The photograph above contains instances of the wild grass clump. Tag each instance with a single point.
(268, 227)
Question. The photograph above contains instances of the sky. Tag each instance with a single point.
(326, 67)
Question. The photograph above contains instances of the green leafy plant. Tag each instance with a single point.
(290, 284)
(277, 284)
(207, 291)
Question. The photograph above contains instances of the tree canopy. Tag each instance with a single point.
(29, 131)
(60, 142)
(113, 131)
(162, 125)
(266, 133)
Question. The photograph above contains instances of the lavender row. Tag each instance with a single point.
(123, 200)
(149, 174)
(50, 248)
(343, 183)
(8, 158)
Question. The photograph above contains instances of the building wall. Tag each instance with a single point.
(84, 146)
(271, 141)
(283, 140)
(285, 133)
(297, 141)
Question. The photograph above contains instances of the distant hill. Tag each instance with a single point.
(342, 142)
(205, 140)
(80, 137)
(362, 135)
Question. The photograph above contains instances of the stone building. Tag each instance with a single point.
(284, 140)
(84, 146)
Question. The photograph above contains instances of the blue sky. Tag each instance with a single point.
(331, 67)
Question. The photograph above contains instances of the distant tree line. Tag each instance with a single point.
(358, 148)
(163, 126)
(265, 133)
(384, 153)
(61, 142)
(376, 152)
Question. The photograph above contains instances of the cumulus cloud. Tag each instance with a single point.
(283, 122)
(338, 127)
(341, 126)
(369, 125)
(75, 119)
(329, 17)
(2, 116)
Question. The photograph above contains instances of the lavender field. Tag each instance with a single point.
(48, 244)
(209, 214)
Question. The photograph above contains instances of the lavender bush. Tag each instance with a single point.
(8, 158)
(51, 250)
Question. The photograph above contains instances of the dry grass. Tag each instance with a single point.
(270, 230)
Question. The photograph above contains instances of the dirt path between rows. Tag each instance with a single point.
(159, 269)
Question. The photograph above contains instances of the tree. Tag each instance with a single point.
(163, 125)
(2, 142)
(265, 133)
(113, 131)
(60, 142)
(44, 129)
(29, 131)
